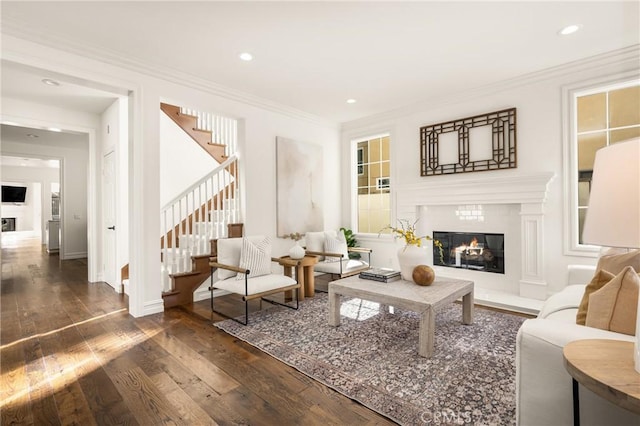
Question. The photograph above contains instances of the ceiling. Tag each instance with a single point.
(26, 83)
(35, 136)
(8, 160)
(313, 56)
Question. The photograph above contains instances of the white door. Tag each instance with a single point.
(109, 222)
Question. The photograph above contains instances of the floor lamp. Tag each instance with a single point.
(613, 217)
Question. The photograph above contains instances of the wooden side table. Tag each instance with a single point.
(304, 274)
(606, 368)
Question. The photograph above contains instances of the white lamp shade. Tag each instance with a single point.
(613, 216)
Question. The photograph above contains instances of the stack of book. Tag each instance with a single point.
(384, 275)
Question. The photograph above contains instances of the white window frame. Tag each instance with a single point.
(572, 247)
(353, 172)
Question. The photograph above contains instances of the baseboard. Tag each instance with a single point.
(78, 255)
(204, 293)
(153, 307)
(533, 289)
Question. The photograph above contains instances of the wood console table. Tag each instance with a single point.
(606, 368)
(304, 275)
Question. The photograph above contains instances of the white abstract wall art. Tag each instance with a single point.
(299, 190)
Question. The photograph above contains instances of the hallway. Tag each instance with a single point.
(71, 354)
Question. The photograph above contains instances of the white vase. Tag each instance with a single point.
(296, 252)
(409, 257)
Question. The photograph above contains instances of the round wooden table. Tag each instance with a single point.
(606, 368)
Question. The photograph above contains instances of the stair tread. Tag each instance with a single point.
(195, 129)
(182, 114)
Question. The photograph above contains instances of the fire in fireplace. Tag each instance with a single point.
(470, 250)
(8, 224)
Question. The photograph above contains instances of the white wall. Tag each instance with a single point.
(73, 190)
(538, 100)
(182, 160)
(44, 176)
(261, 123)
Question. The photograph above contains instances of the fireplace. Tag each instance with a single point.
(8, 224)
(470, 250)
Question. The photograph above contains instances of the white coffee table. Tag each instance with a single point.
(409, 296)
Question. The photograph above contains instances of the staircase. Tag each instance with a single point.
(209, 209)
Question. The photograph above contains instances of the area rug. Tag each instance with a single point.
(372, 358)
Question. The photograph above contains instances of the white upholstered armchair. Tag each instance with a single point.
(333, 254)
(244, 267)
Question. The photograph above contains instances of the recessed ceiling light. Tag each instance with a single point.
(31, 135)
(351, 101)
(50, 82)
(246, 56)
(54, 129)
(570, 29)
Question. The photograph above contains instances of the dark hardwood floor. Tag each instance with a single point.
(71, 354)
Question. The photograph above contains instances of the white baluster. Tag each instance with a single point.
(218, 129)
(234, 138)
(190, 237)
(163, 265)
(211, 207)
(172, 268)
(219, 207)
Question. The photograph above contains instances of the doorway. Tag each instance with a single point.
(26, 193)
(109, 222)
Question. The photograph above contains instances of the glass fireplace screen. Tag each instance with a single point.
(470, 250)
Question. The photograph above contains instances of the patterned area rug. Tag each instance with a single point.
(372, 358)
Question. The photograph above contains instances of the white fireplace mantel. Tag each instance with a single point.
(527, 190)
(521, 189)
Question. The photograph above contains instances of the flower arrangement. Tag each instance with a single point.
(408, 232)
(296, 236)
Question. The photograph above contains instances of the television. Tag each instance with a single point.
(13, 194)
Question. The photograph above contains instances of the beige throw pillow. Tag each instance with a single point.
(615, 263)
(597, 282)
(615, 306)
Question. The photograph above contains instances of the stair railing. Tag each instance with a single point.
(197, 215)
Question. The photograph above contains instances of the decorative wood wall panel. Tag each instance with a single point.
(503, 140)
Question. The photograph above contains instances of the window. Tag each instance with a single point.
(603, 116)
(360, 155)
(373, 197)
(382, 183)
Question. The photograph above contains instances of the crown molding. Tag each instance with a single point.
(21, 30)
(629, 55)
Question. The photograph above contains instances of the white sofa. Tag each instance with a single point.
(543, 386)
